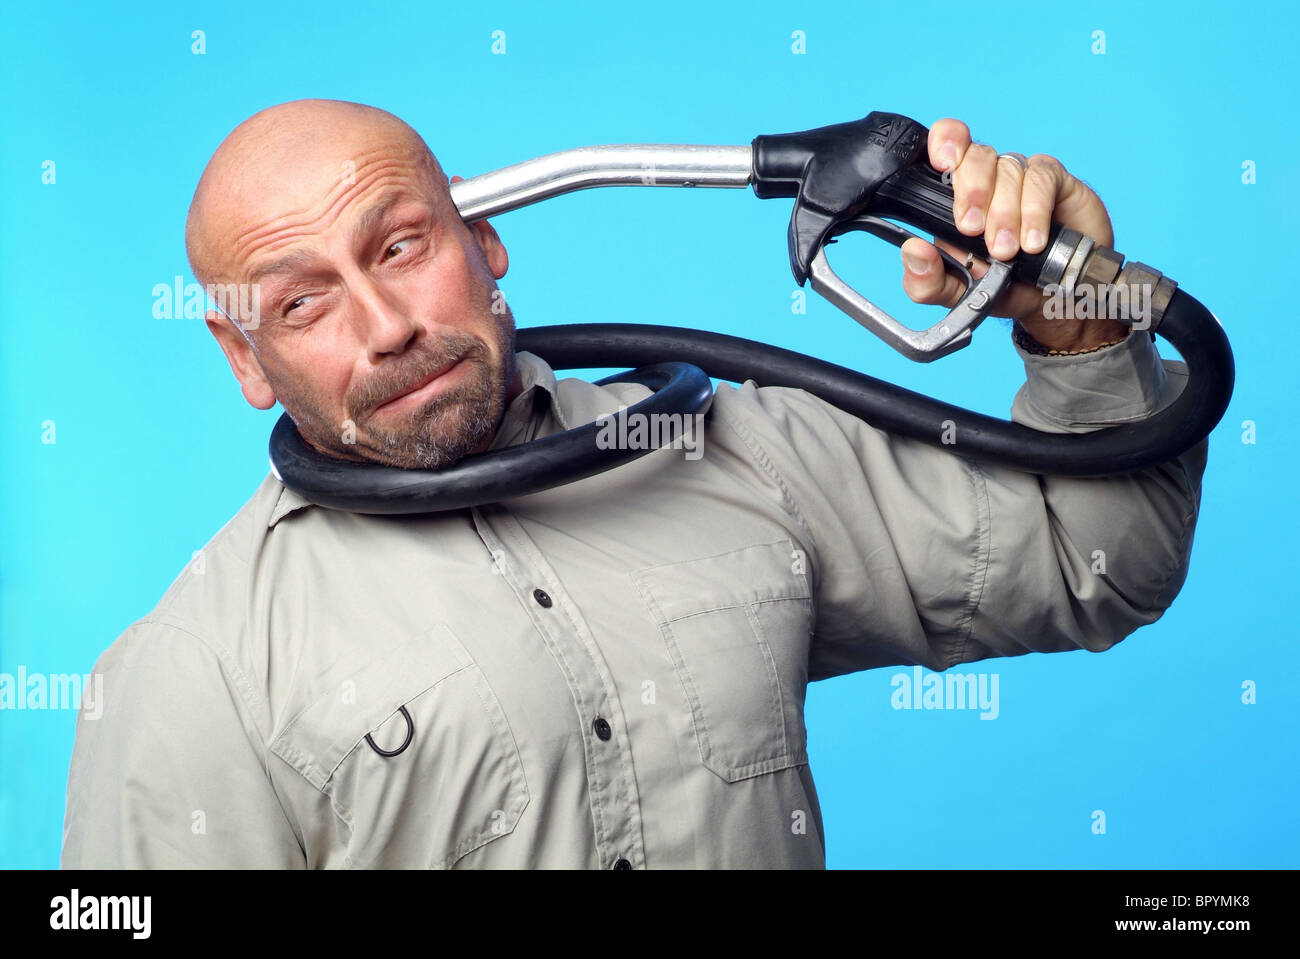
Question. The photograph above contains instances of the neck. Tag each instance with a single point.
(515, 387)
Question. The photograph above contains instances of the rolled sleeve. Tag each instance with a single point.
(1114, 551)
(1081, 393)
(923, 556)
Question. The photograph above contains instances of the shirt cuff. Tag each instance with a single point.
(1120, 383)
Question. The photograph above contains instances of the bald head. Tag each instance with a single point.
(297, 156)
(378, 324)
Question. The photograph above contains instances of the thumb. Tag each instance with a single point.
(924, 278)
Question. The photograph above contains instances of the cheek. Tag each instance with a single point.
(451, 294)
(464, 272)
(319, 376)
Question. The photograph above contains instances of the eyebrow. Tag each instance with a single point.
(302, 259)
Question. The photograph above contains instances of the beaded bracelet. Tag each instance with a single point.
(1030, 345)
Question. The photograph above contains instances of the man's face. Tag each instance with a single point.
(380, 329)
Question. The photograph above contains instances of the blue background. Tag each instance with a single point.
(156, 449)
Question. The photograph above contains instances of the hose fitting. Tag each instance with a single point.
(1076, 269)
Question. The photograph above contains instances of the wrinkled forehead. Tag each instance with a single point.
(301, 178)
(317, 179)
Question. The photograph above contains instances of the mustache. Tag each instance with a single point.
(393, 379)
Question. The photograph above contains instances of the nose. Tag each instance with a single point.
(383, 318)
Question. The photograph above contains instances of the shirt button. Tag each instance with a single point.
(622, 864)
(601, 727)
(542, 598)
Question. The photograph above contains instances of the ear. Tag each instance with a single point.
(493, 249)
(244, 364)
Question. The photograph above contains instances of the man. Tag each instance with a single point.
(610, 674)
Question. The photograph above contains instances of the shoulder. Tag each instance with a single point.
(792, 427)
(209, 587)
(777, 404)
(201, 633)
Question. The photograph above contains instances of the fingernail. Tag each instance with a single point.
(947, 156)
(1004, 244)
(973, 220)
(1035, 240)
(915, 264)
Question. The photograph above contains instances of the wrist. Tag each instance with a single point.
(1068, 337)
(1063, 336)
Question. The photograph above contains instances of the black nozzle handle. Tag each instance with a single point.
(878, 165)
(919, 196)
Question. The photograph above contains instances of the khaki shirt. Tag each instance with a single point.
(609, 674)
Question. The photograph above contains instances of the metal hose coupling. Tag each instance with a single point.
(1091, 280)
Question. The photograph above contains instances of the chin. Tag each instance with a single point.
(414, 449)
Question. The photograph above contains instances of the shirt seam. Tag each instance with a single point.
(980, 561)
(760, 456)
(1161, 601)
(1133, 412)
(247, 700)
(226, 661)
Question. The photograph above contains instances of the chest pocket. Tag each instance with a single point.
(455, 786)
(738, 627)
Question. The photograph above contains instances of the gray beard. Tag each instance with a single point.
(450, 426)
(442, 431)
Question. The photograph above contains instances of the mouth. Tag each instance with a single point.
(422, 389)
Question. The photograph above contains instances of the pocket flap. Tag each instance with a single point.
(751, 574)
(319, 737)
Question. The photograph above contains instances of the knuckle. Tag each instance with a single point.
(917, 290)
(972, 173)
(973, 193)
(1007, 190)
(1002, 219)
(951, 127)
(1044, 165)
(1040, 180)
(1036, 207)
(1010, 173)
(1004, 211)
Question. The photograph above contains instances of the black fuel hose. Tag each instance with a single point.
(680, 388)
(670, 360)
(1189, 327)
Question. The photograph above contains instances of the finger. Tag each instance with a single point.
(1042, 186)
(924, 278)
(972, 188)
(1002, 235)
(977, 268)
(947, 143)
(1018, 299)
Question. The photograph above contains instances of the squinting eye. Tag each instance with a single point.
(295, 303)
(394, 247)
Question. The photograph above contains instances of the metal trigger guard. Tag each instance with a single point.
(948, 335)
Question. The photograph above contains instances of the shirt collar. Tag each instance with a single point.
(525, 419)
